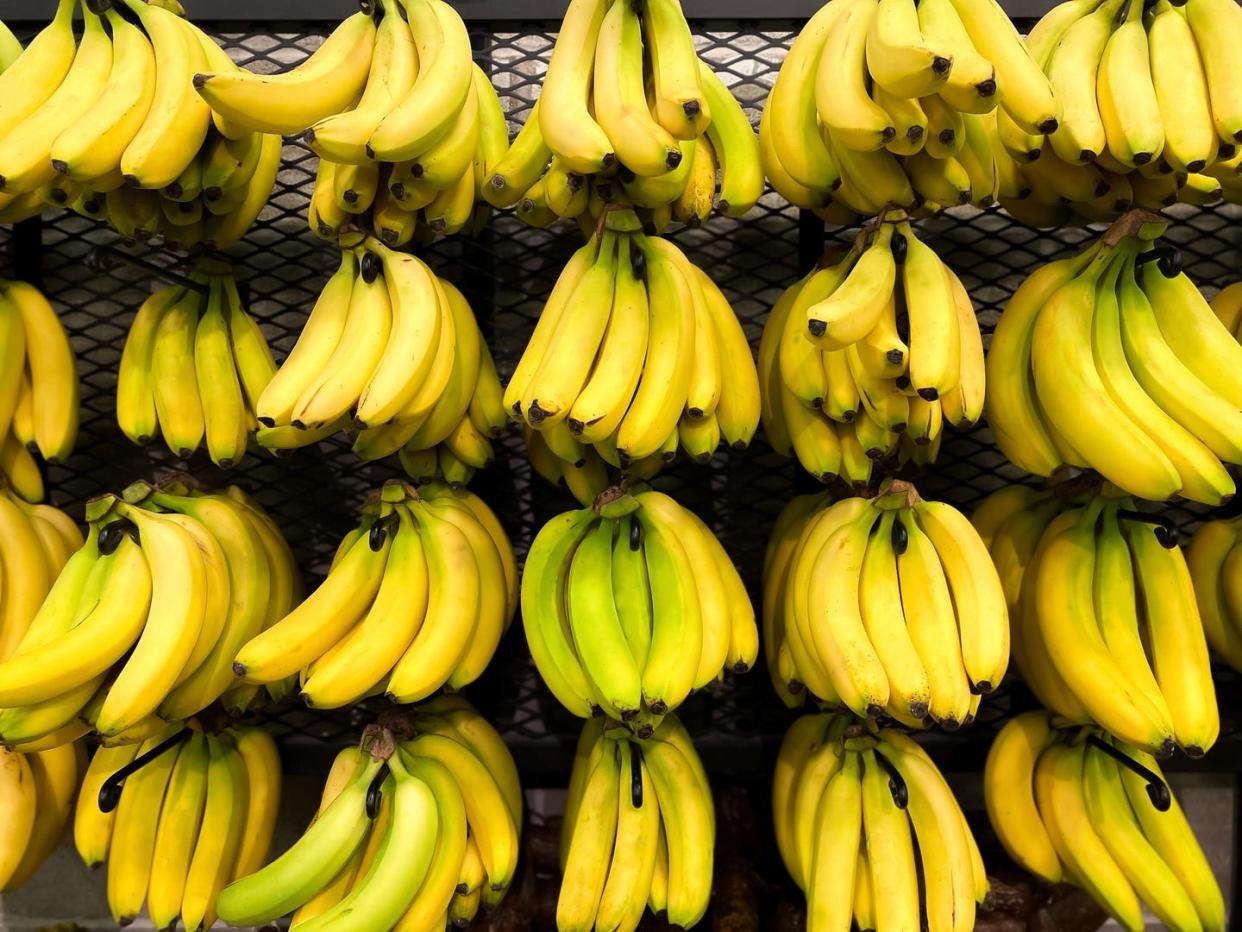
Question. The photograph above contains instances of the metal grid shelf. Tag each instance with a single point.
(506, 273)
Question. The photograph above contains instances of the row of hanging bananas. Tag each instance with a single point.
(1106, 625)
(639, 830)
(35, 543)
(143, 621)
(630, 605)
(1071, 807)
(441, 840)
(1113, 362)
(884, 102)
(868, 357)
(849, 805)
(628, 115)
(197, 816)
(886, 606)
(636, 352)
(418, 189)
(37, 791)
(418, 596)
(39, 404)
(193, 369)
(1215, 563)
(392, 353)
(111, 127)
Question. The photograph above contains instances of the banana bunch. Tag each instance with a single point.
(849, 802)
(418, 597)
(37, 791)
(630, 605)
(885, 102)
(602, 133)
(636, 353)
(392, 353)
(110, 127)
(441, 840)
(1217, 575)
(867, 358)
(1148, 99)
(1074, 807)
(886, 606)
(1116, 363)
(39, 403)
(436, 186)
(194, 818)
(1106, 626)
(35, 543)
(639, 830)
(143, 621)
(194, 367)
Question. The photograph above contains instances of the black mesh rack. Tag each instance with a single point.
(97, 283)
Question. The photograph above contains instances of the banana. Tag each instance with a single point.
(890, 851)
(1181, 87)
(1110, 811)
(1072, 72)
(1173, 839)
(850, 312)
(368, 324)
(565, 120)
(625, 893)
(841, 98)
(590, 842)
(946, 128)
(566, 361)
(307, 632)
(437, 890)
(36, 74)
(908, 119)
(1215, 26)
(327, 83)
(224, 411)
(735, 144)
(935, 344)
(834, 860)
(1207, 557)
(1059, 789)
(1128, 103)
(1174, 632)
(178, 832)
(313, 860)
(519, 168)
(178, 406)
(18, 804)
(394, 66)
(56, 773)
(135, 830)
(453, 601)
(900, 58)
(971, 86)
(1027, 95)
(92, 829)
(263, 786)
(53, 372)
(1008, 792)
(664, 383)
(679, 103)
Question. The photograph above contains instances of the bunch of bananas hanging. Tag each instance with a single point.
(639, 830)
(885, 102)
(886, 606)
(441, 839)
(636, 352)
(143, 621)
(1106, 628)
(1113, 362)
(1073, 807)
(111, 127)
(628, 115)
(867, 357)
(849, 803)
(194, 367)
(418, 597)
(392, 351)
(189, 821)
(35, 543)
(1149, 109)
(630, 605)
(38, 388)
(1215, 563)
(36, 805)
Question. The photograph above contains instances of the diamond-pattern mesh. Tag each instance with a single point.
(506, 273)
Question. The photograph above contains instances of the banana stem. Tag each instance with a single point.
(110, 792)
(1157, 789)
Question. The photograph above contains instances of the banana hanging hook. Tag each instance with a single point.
(1157, 789)
(110, 791)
